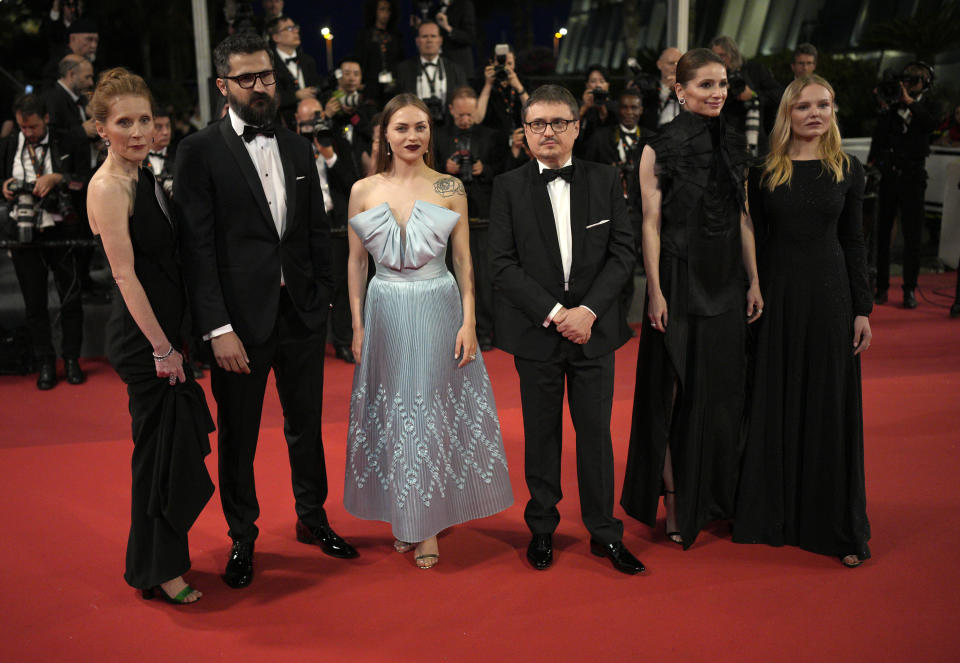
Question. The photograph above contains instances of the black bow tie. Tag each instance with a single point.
(550, 174)
(251, 132)
(289, 60)
(429, 64)
(158, 154)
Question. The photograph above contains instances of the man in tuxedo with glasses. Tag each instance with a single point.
(255, 245)
(561, 250)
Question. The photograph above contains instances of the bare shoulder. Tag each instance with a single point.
(362, 188)
(106, 186)
(447, 186)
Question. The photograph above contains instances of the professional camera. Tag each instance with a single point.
(644, 83)
(736, 83)
(500, 52)
(25, 210)
(888, 90)
(435, 106)
(322, 130)
(464, 159)
(599, 95)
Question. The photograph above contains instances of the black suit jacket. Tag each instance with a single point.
(64, 112)
(459, 42)
(232, 254)
(287, 85)
(341, 178)
(67, 156)
(408, 70)
(526, 267)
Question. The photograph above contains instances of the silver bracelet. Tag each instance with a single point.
(162, 357)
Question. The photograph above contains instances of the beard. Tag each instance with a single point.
(258, 116)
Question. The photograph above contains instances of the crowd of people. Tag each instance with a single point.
(312, 211)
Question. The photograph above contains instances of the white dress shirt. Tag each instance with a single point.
(559, 192)
(292, 67)
(23, 170)
(265, 154)
(669, 106)
(323, 167)
(438, 76)
(157, 160)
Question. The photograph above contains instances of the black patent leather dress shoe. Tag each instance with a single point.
(47, 377)
(619, 556)
(909, 299)
(344, 353)
(239, 571)
(540, 551)
(73, 371)
(328, 540)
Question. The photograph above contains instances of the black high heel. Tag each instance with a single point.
(179, 599)
(844, 559)
(670, 535)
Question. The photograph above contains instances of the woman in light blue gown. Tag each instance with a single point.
(424, 449)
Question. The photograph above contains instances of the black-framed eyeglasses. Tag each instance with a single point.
(290, 28)
(558, 126)
(247, 81)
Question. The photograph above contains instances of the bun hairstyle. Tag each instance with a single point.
(692, 60)
(114, 83)
(384, 156)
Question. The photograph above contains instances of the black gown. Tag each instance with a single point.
(802, 479)
(170, 424)
(701, 167)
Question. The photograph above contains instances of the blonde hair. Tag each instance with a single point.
(113, 83)
(778, 168)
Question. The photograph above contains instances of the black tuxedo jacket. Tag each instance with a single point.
(287, 85)
(341, 179)
(602, 146)
(231, 251)
(525, 259)
(408, 70)
(487, 146)
(64, 112)
(67, 156)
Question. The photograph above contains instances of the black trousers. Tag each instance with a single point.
(483, 282)
(901, 191)
(341, 325)
(295, 353)
(589, 384)
(33, 267)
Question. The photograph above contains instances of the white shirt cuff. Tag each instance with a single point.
(556, 309)
(589, 309)
(219, 331)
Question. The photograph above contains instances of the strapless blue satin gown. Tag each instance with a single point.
(424, 449)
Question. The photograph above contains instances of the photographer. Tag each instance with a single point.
(753, 95)
(475, 154)
(501, 100)
(57, 22)
(297, 77)
(83, 37)
(458, 25)
(337, 175)
(660, 105)
(43, 176)
(901, 143)
(597, 109)
(350, 110)
(431, 76)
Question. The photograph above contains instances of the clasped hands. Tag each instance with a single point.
(574, 323)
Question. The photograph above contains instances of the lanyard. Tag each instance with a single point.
(432, 81)
(38, 158)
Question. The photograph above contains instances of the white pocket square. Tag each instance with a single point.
(301, 177)
(598, 223)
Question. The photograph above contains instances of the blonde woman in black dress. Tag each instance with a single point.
(802, 481)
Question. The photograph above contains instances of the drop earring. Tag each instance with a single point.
(389, 151)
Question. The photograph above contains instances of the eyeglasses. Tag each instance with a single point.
(247, 81)
(558, 126)
(290, 28)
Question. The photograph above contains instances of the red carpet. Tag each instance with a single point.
(64, 502)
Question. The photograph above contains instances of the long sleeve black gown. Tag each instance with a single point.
(170, 424)
(802, 478)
